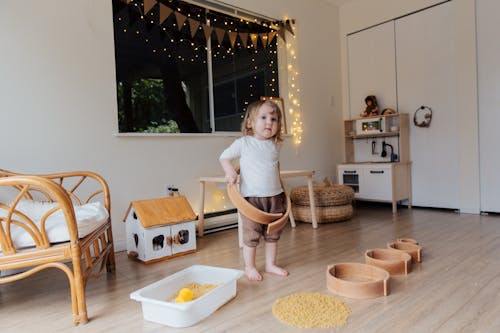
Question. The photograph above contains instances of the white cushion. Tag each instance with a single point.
(89, 217)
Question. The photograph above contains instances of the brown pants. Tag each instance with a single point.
(252, 231)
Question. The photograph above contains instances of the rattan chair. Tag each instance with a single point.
(80, 258)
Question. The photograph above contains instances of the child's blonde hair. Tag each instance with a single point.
(252, 110)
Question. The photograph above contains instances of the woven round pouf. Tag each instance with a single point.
(323, 214)
(324, 195)
(333, 203)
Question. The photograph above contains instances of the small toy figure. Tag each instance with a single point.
(371, 107)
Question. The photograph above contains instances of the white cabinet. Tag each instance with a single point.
(426, 74)
(388, 182)
(377, 182)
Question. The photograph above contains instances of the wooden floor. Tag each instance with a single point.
(455, 289)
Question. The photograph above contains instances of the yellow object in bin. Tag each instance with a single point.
(185, 295)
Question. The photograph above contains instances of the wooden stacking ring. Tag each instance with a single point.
(356, 280)
(407, 240)
(415, 251)
(395, 262)
(274, 221)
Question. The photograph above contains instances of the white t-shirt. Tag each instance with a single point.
(259, 172)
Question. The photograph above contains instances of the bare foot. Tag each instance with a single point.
(253, 274)
(276, 270)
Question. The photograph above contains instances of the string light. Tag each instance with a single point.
(293, 91)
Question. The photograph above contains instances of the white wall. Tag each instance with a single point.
(58, 102)
(361, 14)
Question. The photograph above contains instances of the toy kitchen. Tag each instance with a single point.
(377, 157)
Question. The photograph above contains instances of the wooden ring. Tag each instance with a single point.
(395, 262)
(415, 251)
(247, 209)
(356, 280)
(274, 221)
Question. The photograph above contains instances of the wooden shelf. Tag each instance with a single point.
(373, 135)
(400, 120)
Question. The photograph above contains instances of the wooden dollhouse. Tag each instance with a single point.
(159, 229)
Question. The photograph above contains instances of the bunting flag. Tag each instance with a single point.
(148, 5)
(254, 39)
(193, 26)
(270, 36)
(164, 13)
(266, 38)
(207, 30)
(281, 33)
(220, 34)
(232, 37)
(244, 38)
(263, 39)
(180, 19)
(288, 26)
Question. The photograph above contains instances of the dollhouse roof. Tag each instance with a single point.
(162, 211)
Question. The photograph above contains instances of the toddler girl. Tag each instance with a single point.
(258, 151)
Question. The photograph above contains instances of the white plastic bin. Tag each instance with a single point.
(156, 308)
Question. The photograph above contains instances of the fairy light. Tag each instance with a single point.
(294, 90)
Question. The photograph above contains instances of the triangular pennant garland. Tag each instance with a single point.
(207, 30)
(266, 38)
(254, 39)
(148, 5)
(220, 34)
(164, 13)
(263, 39)
(180, 19)
(193, 26)
(270, 36)
(288, 26)
(244, 38)
(281, 33)
(232, 37)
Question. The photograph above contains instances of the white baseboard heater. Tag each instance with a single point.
(218, 221)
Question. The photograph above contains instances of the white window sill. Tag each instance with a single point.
(214, 135)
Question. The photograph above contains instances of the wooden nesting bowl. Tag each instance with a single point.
(415, 251)
(407, 240)
(394, 262)
(356, 280)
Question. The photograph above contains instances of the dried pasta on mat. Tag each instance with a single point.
(311, 310)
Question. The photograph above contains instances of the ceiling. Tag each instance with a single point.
(338, 3)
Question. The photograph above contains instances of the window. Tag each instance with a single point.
(168, 82)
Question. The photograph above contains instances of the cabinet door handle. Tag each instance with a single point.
(349, 171)
(375, 171)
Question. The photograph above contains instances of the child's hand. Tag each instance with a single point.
(231, 178)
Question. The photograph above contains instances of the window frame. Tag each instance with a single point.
(239, 13)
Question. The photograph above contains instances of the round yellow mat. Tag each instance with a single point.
(311, 310)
